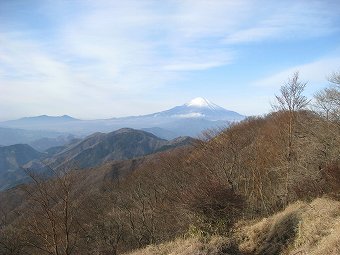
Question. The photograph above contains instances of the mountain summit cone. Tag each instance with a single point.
(201, 108)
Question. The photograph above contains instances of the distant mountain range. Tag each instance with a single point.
(189, 119)
(91, 151)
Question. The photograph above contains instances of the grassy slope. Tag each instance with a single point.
(302, 228)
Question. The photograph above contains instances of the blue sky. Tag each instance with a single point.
(100, 59)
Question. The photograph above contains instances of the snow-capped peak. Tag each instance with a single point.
(199, 102)
(201, 109)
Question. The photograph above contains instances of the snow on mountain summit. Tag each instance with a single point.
(202, 103)
(199, 101)
(200, 108)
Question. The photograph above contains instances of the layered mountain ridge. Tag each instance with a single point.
(91, 151)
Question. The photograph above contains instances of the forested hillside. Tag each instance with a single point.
(266, 185)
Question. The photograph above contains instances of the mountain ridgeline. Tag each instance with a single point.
(91, 151)
(122, 144)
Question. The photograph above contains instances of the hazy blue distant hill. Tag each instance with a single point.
(12, 158)
(193, 127)
(57, 149)
(162, 132)
(42, 122)
(10, 136)
(45, 143)
(43, 119)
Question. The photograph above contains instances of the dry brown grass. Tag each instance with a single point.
(271, 235)
(302, 228)
(191, 246)
(319, 229)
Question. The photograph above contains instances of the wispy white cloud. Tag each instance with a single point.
(191, 66)
(189, 115)
(286, 21)
(194, 60)
(203, 18)
(315, 73)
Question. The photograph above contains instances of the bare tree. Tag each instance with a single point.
(327, 101)
(53, 223)
(325, 104)
(335, 78)
(291, 96)
(11, 241)
(291, 100)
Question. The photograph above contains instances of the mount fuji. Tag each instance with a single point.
(189, 119)
(200, 108)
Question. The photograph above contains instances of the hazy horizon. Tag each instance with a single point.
(190, 102)
(104, 59)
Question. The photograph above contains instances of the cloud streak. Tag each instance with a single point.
(315, 72)
(80, 57)
(286, 21)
